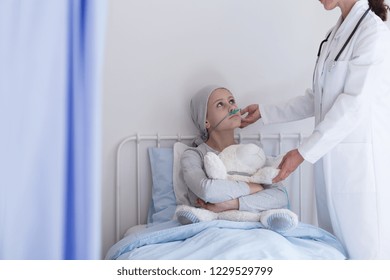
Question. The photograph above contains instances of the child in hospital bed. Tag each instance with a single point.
(210, 109)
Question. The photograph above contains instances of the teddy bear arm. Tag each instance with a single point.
(242, 178)
(265, 175)
(215, 169)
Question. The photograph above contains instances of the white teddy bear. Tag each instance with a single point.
(241, 162)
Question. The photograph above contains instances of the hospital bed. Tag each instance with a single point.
(146, 167)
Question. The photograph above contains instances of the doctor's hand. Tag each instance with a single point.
(253, 115)
(289, 163)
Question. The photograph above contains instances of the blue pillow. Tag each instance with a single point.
(163, 202)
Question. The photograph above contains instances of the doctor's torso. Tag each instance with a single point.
(351, 94)
(355, 70)
(348, 89)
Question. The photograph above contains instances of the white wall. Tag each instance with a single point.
(159, 52)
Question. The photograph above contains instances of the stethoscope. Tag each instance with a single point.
(346, 42)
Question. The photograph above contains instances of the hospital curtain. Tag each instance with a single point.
(50, 121)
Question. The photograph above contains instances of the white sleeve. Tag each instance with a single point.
(298, 108)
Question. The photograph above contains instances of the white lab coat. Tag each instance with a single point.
(350, 144)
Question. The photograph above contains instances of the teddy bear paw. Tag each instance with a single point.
(265, 175)
(279, 220)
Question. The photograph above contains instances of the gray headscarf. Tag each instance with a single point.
(198, 108)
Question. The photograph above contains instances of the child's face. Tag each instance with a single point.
(220, 103)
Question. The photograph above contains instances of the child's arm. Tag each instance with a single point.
(272, 197)
(210, 190)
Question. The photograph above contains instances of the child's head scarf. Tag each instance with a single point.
(199, 112)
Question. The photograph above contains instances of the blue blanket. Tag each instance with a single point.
(226, 240)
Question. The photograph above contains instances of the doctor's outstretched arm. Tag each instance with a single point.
(289, 163)
(253, 112)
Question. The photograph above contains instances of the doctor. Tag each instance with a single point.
(350, 144)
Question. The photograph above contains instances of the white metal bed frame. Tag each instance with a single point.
(277, 141)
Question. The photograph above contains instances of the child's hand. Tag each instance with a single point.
(254, 188)
(219, 207)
